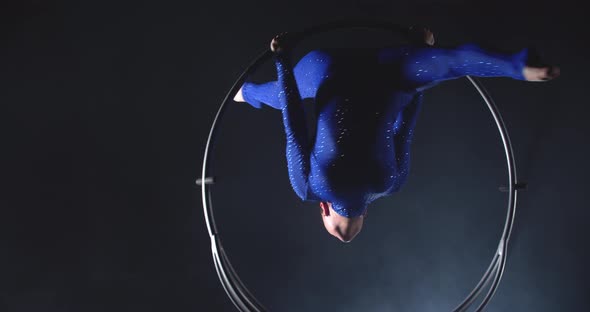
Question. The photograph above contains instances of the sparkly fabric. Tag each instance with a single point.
(367, 102)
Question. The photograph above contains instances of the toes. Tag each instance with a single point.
(541, 73)
(282, 42)
(418, 34)
(554, 72)
(428, 36)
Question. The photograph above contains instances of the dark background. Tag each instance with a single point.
(107, 107)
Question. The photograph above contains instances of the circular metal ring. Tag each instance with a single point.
(237, 291)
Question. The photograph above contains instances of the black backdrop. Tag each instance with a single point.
(107, 107)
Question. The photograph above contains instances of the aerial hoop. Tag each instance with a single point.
(237, 291)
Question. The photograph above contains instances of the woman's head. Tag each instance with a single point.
(343, 228)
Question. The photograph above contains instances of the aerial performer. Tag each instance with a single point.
(367, 101)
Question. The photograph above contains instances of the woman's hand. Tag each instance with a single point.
(282, 42)
(420, 35)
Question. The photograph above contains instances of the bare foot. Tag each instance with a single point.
(419, 35)
(540, 73)
(428, 37)
(239, 97)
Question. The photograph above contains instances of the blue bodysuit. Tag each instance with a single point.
(366, 101)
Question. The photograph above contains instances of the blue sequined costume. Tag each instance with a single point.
(367, 101)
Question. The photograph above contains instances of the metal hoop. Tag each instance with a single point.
(237, 291)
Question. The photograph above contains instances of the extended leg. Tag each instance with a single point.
(309, 73)
(422, 67)
(289, 100)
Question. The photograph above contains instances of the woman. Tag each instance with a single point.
(367, 102)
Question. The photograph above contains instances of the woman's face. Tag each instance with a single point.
(343, 228)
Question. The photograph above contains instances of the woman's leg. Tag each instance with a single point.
(421, 67)
(289, 99)
(309, 73)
